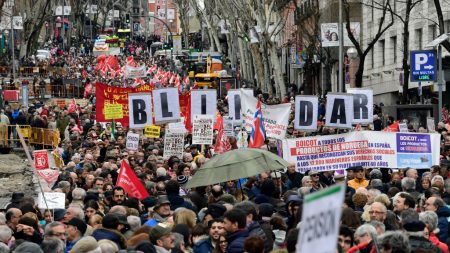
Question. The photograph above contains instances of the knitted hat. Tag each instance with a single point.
(182, 179)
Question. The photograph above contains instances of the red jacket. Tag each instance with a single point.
(433, 238)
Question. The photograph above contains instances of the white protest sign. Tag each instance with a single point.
(228, 126)
(339, 110)
(203, 102)
(55, 200)
(275, 117)
(135, 72)
(234, 103)
(132, 141)
(430, 124)
(403, 127)
(202, 129)
(362, 105)
(306, 111)
(166, 105)
(140, 110)
(174, 143)
(368, 149)
(321, 220)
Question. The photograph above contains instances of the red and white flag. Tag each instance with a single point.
(222, 143)
(130, 182)
(258, 136)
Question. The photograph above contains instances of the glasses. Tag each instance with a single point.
(315, 175)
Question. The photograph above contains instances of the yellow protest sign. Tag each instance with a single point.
(152, 131)
(113, 111)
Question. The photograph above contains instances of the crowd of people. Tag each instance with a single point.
(385, 209)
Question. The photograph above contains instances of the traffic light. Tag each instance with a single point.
(127, 18)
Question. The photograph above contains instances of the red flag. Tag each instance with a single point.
(258, 132)
(186, 80)
(392, 128)
(177, 81)
(72, 106)
(222, 143)
(130, 183)
(185, 110)
(219, 121)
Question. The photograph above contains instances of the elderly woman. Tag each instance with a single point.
(431, 228)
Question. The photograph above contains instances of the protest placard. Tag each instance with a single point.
(40, 159)
(132, 141)
(113, 111)
(430, 124)
(55, 200)
(228, 126)
(202, 129)
(174, 143)
(368, 149)
(320, 220)
(152, 131)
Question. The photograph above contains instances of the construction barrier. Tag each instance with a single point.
(35, 136)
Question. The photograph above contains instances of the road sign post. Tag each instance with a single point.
(423, 66)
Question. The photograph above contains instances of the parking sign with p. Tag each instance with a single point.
(423, 66)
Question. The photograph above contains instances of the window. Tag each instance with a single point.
(418, 35)
(394, 48)
(383, 55)
(431, 32)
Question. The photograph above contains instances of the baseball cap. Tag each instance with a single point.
(79, 224)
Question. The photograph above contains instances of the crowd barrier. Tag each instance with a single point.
(34, 136)
(71, 88)
(33, 71)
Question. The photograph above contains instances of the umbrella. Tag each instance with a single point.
(236, 164)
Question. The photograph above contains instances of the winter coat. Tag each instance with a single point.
(103, 233)
(443, 212)
(236, 241)
(254, 229)
(421, 243)
(177, 201)
(203, 246)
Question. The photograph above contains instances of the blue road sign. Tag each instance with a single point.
(423, 66)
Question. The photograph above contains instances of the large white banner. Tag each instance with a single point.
(275, 117)
(368, 149)
(362, 106)
(202, 129)
(140, 109)
(166, 105)
(135, 72)
(203, 102)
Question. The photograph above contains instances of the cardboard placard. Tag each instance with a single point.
(113, 111)
(152, 131)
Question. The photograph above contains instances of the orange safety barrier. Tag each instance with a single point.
(34, 135)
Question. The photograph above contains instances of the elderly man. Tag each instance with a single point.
(55, 229)
(161, 212)
(438, 206)
(12, 218)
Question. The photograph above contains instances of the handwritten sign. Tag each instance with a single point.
(55, 200)
(152, 131)
(202, 130)
(113, 111)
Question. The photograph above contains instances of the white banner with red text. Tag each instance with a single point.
(368, 149)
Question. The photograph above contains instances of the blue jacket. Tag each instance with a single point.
(236, 241)
(203, 246)
(443, 212)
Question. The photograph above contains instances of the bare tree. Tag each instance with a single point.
(183, 9)
(384, 23)
(440, 16)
